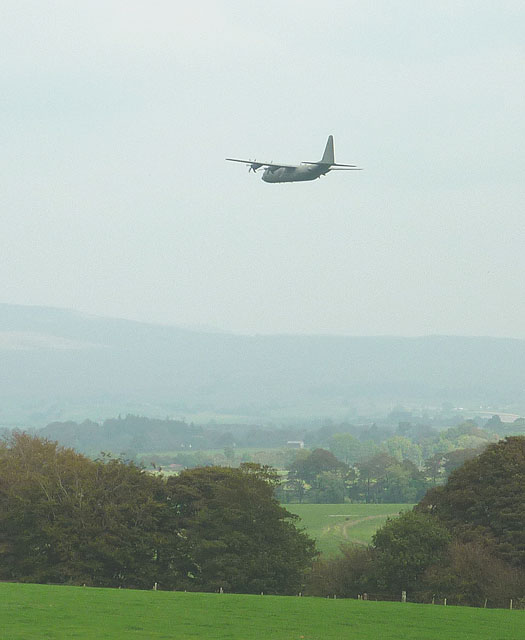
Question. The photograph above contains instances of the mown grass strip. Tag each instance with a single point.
(333, 524)
(53, 613)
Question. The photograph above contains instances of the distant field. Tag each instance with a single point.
(38, 612)
(332, 524)
(277, 457)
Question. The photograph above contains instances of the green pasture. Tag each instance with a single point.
(333, 524)
(42, 612)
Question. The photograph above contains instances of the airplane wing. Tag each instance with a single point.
(256, 164)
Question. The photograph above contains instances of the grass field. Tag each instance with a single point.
(41, 612)
(332, 524)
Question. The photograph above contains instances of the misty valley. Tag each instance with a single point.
(138, 455)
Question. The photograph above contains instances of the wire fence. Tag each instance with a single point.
(517, 602)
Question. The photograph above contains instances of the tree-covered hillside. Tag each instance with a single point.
(55, 361)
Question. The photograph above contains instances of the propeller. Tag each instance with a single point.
(253, 166)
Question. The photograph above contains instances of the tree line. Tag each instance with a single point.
(65, 518)
(368, 464)
(319, 477)
(464, 541)
(394, 470)
(133, 434)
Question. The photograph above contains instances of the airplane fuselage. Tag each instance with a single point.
(300, 173)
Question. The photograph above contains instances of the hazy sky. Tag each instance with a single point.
(116, 199)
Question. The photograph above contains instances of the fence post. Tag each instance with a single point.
(403, 596)
(445, 602)
(510, 604)
(485, 604)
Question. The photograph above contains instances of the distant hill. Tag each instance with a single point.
(54, 364)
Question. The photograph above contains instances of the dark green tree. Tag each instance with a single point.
(405, 548)
(330, 488)
(65, 518)
(485, 500)
(403, 483)
(433, 467)
(370, 486)
(455, 459)
(308, 467)
(471, 575)
(240, 537)
(345, 575)
(346, 447)
(293, 490)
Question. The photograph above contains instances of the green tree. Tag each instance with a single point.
(459, 434)
(240, 537)
(330, 488)
(433, 467)
(403, 482)
(293, 490)
(65, 518)
(405, 548)
(471, 575)
(309, 467)
(441, 446)
(345, 575)
(346, 447)
(485, 500)
(457, 458)
(372, 473)
(402, 448)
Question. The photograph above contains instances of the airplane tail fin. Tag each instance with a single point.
(328, 159)
(328, 155)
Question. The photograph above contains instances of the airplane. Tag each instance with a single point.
(275, 172)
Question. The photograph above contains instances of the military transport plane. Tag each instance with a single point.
(275, 172)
